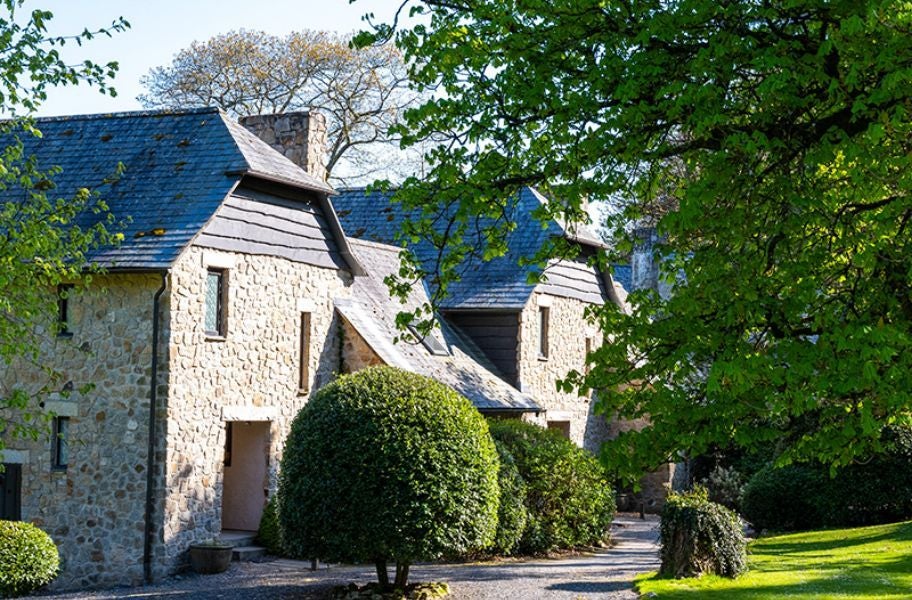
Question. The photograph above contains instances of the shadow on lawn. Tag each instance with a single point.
(867, 574)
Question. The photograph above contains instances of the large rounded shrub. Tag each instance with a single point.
(568, 493)
(699, 537)
(512, 515)
(785, 499)
(387, 465)
(28, 558)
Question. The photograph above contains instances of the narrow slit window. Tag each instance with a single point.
(60, 448)
(304, 355)
(216, 293)
(543, 329)
(64, 291)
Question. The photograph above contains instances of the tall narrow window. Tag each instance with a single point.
(63, 309)
(216, 293)
(304, 355)
(543, 327)
(60, 450)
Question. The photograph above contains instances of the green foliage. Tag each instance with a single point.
(387, 465)
(269, 534)
(512, 514)
(700, 537)
(41, 243)
(776, 136)
(569, 496)
(798, 497)
(28, 558)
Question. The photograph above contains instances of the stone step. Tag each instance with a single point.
(245, 553)
(238, 538)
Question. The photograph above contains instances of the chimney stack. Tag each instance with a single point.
(298, 136)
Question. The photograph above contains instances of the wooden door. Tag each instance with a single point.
(11, 492)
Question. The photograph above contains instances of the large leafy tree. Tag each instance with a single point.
(46, 235)
(780, 131)
(361, 92)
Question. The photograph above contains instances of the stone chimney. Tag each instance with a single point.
(299, 136)
(645, 271)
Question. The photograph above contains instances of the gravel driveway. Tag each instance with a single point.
(605, 574)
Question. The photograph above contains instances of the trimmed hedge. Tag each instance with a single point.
(512, 515)
(569, 495)
(699, 537)
(800, 497)
(269, 534)
(28, 559)
(387, 465)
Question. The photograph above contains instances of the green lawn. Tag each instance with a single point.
(863, 563)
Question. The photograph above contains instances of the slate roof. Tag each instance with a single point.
(373, 314)
(179, 167)
(497, 284)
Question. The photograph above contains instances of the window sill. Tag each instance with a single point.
(61, 470)
(65, 335)
(214, 337)
(542, 358)
(303, 392)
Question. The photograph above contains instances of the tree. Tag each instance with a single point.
(387, 465)
(362, 92)
(792, 314)
(45, 238)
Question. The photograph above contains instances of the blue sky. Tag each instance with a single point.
(162, 27)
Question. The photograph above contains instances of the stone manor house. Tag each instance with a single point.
(243, 284)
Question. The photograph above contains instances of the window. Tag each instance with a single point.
(11, 492)
(562, 427)
(543, 326)
(216, 293)
(63, 310)
(60, 446)
(304, 355)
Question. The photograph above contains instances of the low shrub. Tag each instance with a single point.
(512, 515)
(28, 559)
(785, 499)
(269, 535)
(725, 487)
(700, 537)
(569, 496)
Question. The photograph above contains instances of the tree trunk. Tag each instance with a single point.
(402, 572)
(382, 575)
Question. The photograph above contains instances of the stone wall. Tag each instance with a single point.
(250, 375)
(568, 330)
(94, 510)
(356, 353)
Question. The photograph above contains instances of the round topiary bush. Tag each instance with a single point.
(699, 536)
(785, 499)
(28, 559)
(385, 465)
(569, 495)
(512, 515)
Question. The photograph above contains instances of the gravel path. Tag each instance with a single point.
(604, 574)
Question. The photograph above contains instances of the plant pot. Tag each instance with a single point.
(210, 558)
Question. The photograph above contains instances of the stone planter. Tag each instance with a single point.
(208, 558)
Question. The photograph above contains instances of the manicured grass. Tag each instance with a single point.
(857, 564)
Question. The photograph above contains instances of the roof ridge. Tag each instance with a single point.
(158, 112)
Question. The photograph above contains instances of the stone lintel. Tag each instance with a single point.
(249, 413)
